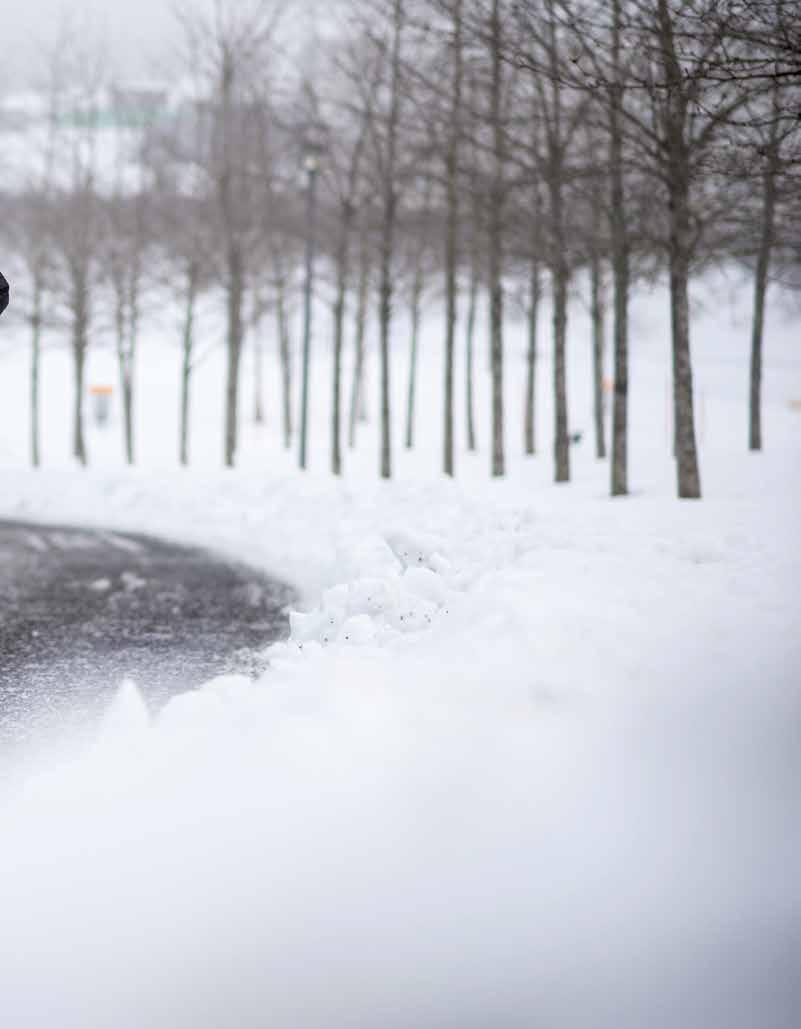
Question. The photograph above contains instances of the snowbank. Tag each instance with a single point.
(529, 757)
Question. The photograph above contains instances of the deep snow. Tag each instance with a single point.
(530, 756)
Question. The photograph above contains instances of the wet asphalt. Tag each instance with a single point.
(82, 610)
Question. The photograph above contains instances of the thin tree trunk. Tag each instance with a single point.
(235, 290)
(451, 241)
(343, 274)
(126, 359)
(133, 337)
(80, 318)
(620, 271)
(760, 290)
(495, 255)
(411, 393)
(357, 385)
(79, 442)
(559, 267)
(127, 409)
(530, 436)
(388, 243)
(678, 174)
(258, 379)
(186, 364)
(123, 358)
(598, 305)
(36, 349)
(285, 355)
(687, 474)
(308, 311)
(561, 439)
(470, 399)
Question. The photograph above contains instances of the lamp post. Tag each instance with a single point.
(311, 163)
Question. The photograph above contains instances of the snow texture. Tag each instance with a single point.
(529, 757)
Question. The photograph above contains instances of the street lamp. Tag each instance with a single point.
(313, 152)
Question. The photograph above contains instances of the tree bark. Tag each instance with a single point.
(343, 250)
(620, 270)
(258, 380)
(307, 317)
(559, 266)
(186, 363)
(680, 249)
(388, 241)
(495, 254)
(411, 393)
(561, 439)
(529, 428)
(124, 356)
(80, 327)
(470, 333)
(235, 291)
(451, 241)
(356, 413)
(285, 354)
(760, 290)
(598, 305)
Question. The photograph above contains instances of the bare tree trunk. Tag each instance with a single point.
(186, 363)
(417, 293)
(561, 439)
(258, 379)
(388, 241)
(620, 271)
(495, 255)
(123, 355)
(308, 311)
(285, 354)
(36, 349)
(760, 290)
(357, 408)
(598, 305)
(127, 411)
(80, 327)
(688, 478)
(559, 267)
(678, 174)
(529, 433)
(235, 291)
(125, 343)
(470, 400)
(342, 262)
(451, 242)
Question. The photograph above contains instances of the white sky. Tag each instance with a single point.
(141, 33)
(138, 31)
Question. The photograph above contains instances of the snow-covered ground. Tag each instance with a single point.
(530, 756)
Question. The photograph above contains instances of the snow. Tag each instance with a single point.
(528, 757)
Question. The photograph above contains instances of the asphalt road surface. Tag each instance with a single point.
(81, 610)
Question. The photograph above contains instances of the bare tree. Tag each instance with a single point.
(76, 214)
(388, 223)
(357, 393)
(419, 258)
(619, 242)
(231, 47)
(452, 225)
(497, 196)
(534, 297)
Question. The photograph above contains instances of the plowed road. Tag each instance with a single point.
(81, 610)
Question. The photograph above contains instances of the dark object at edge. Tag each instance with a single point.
(5, 292)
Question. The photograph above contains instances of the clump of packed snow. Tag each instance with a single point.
(528, 756)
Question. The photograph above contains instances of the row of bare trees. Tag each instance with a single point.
(457, 147)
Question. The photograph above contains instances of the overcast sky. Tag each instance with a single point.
(138, 30)
(141, 33)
